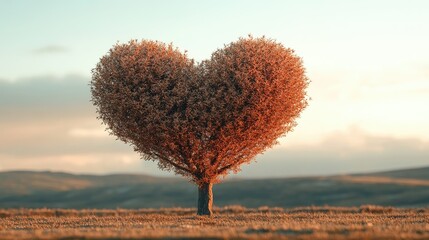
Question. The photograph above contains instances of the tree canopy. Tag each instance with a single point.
(201, 120)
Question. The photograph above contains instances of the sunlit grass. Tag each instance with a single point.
(368, 222)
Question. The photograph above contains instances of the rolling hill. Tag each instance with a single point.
(414, 173)
(401, 188)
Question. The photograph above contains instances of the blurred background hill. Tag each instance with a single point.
(400, 188)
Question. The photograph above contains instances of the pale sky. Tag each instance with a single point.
(368, 62)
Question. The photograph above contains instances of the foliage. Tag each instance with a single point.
(200, 120)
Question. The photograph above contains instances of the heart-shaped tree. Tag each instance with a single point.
(200, 120)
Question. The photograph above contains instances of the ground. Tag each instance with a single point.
(234, 222)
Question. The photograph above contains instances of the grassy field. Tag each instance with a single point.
(233, 222)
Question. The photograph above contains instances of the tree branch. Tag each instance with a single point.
(172, 163)
(224, 169)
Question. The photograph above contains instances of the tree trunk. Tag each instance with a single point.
(205, 199)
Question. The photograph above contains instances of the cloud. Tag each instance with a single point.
(42, 98)
(50, 49)
(349, 151)
(79, 163)
(45, 116)
(387, 101)
(88, 133)
(48, 123)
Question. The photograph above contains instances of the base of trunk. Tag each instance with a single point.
(205, 199)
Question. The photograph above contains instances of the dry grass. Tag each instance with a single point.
(234, 222)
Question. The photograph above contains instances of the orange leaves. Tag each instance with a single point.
(200, 120)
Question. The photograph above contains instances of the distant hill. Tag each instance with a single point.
(27, 182)
(414, 173)
(401, 188)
